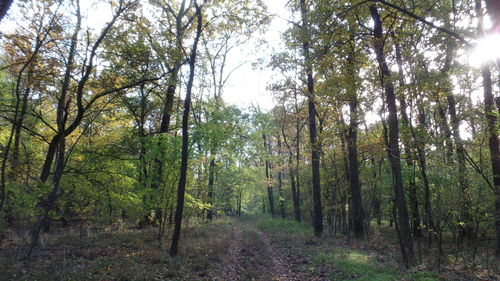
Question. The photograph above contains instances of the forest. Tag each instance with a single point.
(122, 157)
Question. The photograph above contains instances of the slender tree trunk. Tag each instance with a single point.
(296, 204)
(352, 156)
(393, 147)
(377, 212)
(280, 181)
(270, 194)
(422, 162)
(55, 193)
(297, 157)
(211, 180)
(293, 185)
(19, 124)
(493, 144)
(357, 202)
(463, 183)
(445, 130)
(5, 158)
(410, 157)
(280, 191)
(181, 188)
(164, 126)
(313, 138)
(239, 202)
(57, 145)
(491, 115)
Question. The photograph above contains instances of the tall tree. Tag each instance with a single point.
(313, 134)
(352, 138)
(181, 188)
(393, 150)
(269, 178)
(491, 112)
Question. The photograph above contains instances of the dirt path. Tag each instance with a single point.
(231, 267)
(282, 266)
(252, 255)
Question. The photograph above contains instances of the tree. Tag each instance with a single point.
(181, 188)
(393, 150)
(313, 138)
(491, 116)
(76, 94)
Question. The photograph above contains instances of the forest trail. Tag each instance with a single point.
(253, 255)
(231, 266)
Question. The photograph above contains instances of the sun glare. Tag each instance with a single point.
(486, 50)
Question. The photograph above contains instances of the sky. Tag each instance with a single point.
(247, 85)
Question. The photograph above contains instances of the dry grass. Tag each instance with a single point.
(127, 254)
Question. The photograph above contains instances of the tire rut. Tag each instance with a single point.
(231, 267)
(282, 267)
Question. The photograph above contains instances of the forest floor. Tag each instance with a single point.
(246, 248)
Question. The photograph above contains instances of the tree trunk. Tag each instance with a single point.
(493, 144)
(54, 194)
(491, 115)
(297, 157)
(352, 156)
(295, 198)
(410, 157)
(313, 138)
(239, 202)
(19, 125)
(293, 185)
(280, 181)
(211, 180)
(157, 174)
(181, 188)
(270, 194)
(393, 142)
(422, 163)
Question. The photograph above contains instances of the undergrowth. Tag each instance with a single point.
(333, 258)
(123, 255)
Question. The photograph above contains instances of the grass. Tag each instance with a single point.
(336, 260)
(132, 254)
(255, 261)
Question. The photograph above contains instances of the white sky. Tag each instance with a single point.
(247, 85)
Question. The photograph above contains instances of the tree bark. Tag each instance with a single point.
(422, 163)
(211, 180)
(19, 124)
(157, 174)
(297, 156)
(493, 144)
(491, 116)
(393, 142)
(280, 181)
(269, 186)
(181, 188)
(352, 152)
(313, 138)
(291, 171)
(410, 157)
